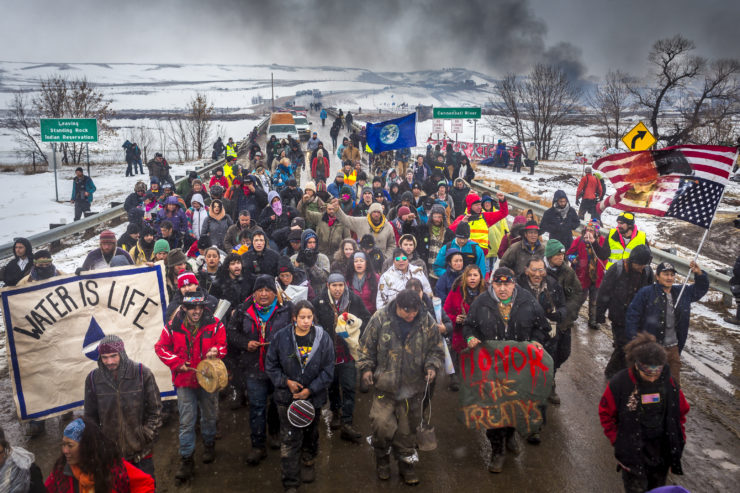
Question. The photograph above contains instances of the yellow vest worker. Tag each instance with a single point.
(231, 151)
(229, 173)
(350, 179)
(620, 246)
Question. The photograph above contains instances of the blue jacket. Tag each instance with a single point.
(647, 310)
(282, 363)
(444, 283)
(89, 188)
(322, 115)
(470, 251)
(335, 190)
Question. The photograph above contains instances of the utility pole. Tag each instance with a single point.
(272, 85)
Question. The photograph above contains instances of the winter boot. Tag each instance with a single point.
(534, 439)
(454, 384)
(255, 456)
(383, 466)
(350, 434)
(336, 420)
(185, 470)
(554, 397)
(513, 444)
(407, 473)
(308, 472)
(592, 324)
(497, 462)
(209, 453)
(274, 441)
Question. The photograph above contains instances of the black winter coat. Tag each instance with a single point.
(560, 228)
(270, 226)
(13, 273)
(552, 299)
(254, 202)
(617, 289)
(132, 202)
(527, 320)
(256, 263)
(283, 364)
(244, 326)
(232, 290)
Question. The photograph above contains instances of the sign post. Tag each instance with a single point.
(457, 127)
(438, 127)
(68, 130)
(639, 138)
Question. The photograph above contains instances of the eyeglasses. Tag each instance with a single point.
(401, 258)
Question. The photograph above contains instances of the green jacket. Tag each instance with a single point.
(572, 289)
(399, 368)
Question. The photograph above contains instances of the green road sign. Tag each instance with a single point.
(455, 113)
(69, 130)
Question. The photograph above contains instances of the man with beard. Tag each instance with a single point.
(244, 223)
(432, 236)
(315, 264)
(364, 203)
(101, 258)
(251, 330)
(404, 223)
(143, 251)
(335, 187)
(259, 259)
(329, 230)
(128, 239)
(560, 220)
(122, 397)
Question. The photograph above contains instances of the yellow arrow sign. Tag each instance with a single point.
(639, 138)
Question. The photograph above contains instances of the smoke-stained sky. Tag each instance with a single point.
(586, 37)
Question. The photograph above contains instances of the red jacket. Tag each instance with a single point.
(454, 306)
(367, 295)
(177, 346)
(125, 479)
(589, 187)
(491, 217)
(581, 249)
(314, 163)
(223, 181)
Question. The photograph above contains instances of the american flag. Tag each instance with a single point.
(685, 182)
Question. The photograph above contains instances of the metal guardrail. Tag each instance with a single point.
(717, 280)
(57, 234)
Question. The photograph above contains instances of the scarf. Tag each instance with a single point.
(218, 216)
(330, 220)
(358, 282)
(43, 272)
(264, 314)
(374, 228)
(563, 212)
(87, 481)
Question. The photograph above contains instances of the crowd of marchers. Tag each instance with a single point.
(378, 242)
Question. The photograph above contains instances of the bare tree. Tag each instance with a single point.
(610, 100)
(507, 119)
(200, 113)
(145, 139)
(548, 98)
(177, 134)
(705, 108)
(25, 126)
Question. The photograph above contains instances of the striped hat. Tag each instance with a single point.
(301, 413)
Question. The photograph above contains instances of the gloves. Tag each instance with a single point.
(578, 201)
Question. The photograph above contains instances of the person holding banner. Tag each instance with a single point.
(122, 397)
(401, 327)
(300, 364)
(505, 312)
(193, 335)
(101, 258)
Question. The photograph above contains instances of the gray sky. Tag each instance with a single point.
(586, 37)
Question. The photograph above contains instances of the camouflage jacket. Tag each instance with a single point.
(399, 367)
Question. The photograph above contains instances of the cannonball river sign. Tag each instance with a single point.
(69, 130)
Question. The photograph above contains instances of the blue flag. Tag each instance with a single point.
(392, 134)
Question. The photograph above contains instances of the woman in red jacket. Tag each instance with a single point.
(90, 463)
(218, 178)
(464, 291)
(589, 268)
(362, 280)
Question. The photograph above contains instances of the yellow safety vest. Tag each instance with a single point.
(619, 251)
(350, 179)
(229, 173)
(231, 151)
(479, 232)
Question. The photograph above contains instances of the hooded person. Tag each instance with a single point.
(458, 193)
(43, 268)
(315, 264)
(217, 224)
(259, 259)
(143, 251)
(130, 237)
(122, 397)
(275, 216)
(173, 213)
(291, 194)
(454, 263)
(472, 253)
(346, 199)
(560, 220)
(100, 258)
(197, 215)
(21, 264)
(18, 471)
(375, 224)
(479, 220)
(249, 195)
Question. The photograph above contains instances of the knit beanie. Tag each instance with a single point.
(185, 279)
(110, 344)
(463, 230)
(553, 247)
(161, 245)
(132, 229)
(107, 236)
(402, 211)
(175, 257)
(264, 281)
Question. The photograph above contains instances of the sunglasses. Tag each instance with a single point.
(403, 257)
(650, 370)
